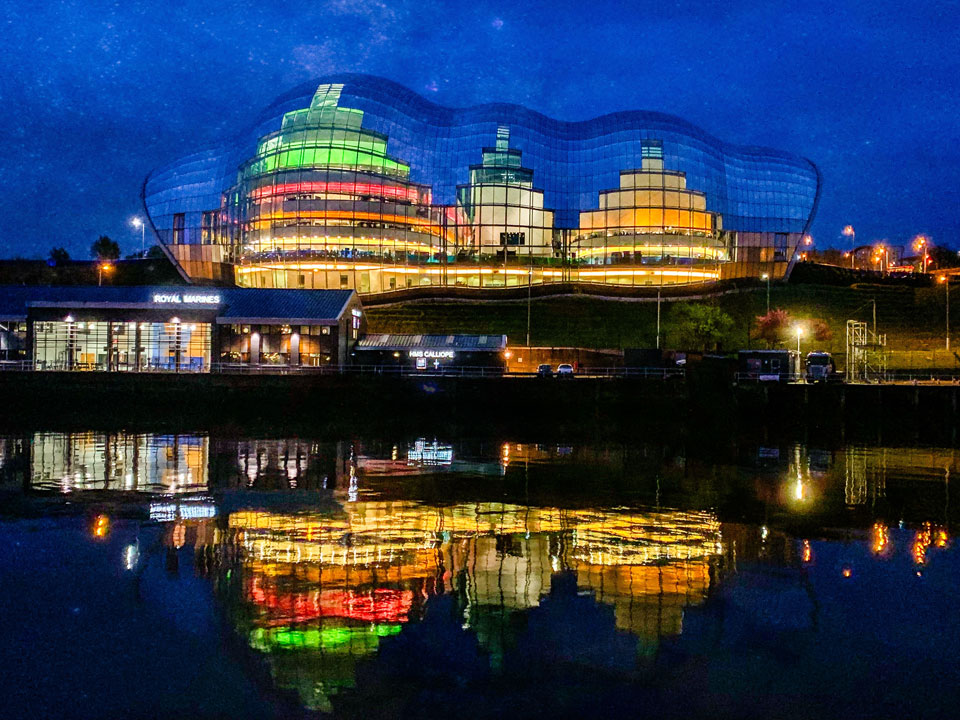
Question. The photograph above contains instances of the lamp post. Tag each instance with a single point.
(849, 232)
(945, 279)
(138, 223)
(799, 335)
(881, 257)
(658, 318)
(101, 269)
(922, 243)
(766, 276)
(529, 292)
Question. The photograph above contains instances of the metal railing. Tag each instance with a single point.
(398, 371)
(913, 377)
(370, 370)
(18, 365)
(768, 377)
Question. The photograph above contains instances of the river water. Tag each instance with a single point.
(214, 575)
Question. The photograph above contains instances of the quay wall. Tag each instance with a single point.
(533, 405)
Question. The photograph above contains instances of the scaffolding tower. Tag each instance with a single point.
(866, 353)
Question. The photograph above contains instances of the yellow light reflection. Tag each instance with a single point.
(881, 539)
(314, 582)
(943, 538)
(922, 541)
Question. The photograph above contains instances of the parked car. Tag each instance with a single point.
(544, 371)
(565, 370)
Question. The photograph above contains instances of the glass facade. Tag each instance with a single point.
(356, 182)
(132, 346)
(300, 345)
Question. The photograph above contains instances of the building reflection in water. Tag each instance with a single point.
(318, 591)
(68, 462)
(316, 582)
(280, 464)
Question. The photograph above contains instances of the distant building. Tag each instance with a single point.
(175, 329)
(433, 352)
(357, 182)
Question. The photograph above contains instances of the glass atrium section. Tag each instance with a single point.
(503, 222)
(653, 229)
(356, 182)
(122, 346)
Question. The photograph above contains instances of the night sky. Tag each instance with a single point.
(96, 94)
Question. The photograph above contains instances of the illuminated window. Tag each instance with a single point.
(208, 226)
(178, 228)
(651, 149)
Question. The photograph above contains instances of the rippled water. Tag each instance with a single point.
(152, 575)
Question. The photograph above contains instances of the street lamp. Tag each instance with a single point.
(529, 291)
(921, 242)
(799, 331)
(946, 282)
(766, 276)
(101, 269)
(138, 223)
(882, 258)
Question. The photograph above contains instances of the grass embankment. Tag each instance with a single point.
(911, 317)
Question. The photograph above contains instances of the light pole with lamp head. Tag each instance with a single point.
(922, 243)
(945, 279)
(138, 223)
(799, 331)
(102, 268)
(529, 292)
(849, 232)
(766, 276)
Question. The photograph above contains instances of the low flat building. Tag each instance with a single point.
(175, 329)
(432, 352)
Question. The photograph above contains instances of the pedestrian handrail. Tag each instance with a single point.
(466, 371)
(899, 377)
(764, 377)
(20, 365)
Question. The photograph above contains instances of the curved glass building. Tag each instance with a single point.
(356, 182)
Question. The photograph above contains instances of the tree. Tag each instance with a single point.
(942, 257)
(105, 249)
(58, 255)
(773, 327)
(699, 325)
(154, 252)
(821, 331)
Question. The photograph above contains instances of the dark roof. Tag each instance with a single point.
(236, 305)
(491, 343)
(249, 305)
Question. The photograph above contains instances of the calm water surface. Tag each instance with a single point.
(200, 575)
